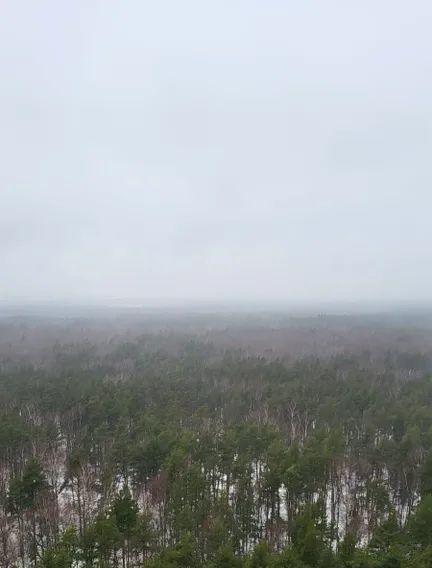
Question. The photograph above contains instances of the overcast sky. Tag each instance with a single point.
(225, 150)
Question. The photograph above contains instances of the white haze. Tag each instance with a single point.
(239, 151)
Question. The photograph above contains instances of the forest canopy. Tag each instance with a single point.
(166, 446)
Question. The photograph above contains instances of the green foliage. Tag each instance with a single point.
(347, 549)
(183, 555)
(426, 476)
(124, 512)
(422, 559)
(226, 558)
(420, 524)
(308, 536)
(234, 462)
(260, 557)
(288, 558)
(23, 492)
(64, 554)
(386, 536)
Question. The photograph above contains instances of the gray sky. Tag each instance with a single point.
(215, 150)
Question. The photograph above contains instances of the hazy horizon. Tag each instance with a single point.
(227, 153)
(86, 309)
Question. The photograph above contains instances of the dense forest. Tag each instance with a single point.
(215, 444)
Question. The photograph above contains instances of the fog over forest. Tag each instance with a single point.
(215, 284)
